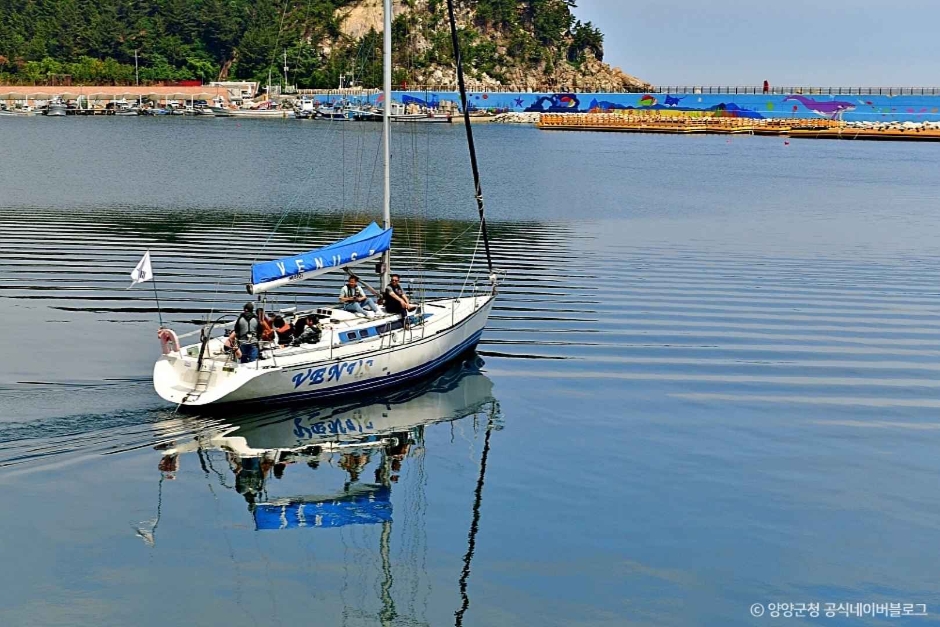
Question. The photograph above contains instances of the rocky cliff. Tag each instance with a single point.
(536, 45)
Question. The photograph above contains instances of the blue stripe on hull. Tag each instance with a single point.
(372, 384)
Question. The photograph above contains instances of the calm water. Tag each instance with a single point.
(710, 381)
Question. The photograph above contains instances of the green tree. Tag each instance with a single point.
(551, 20)
(585, 37)
(177, 39)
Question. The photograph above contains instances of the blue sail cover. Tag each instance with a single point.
(360, 509)
(366, 244)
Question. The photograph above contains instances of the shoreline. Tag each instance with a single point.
(858, 105)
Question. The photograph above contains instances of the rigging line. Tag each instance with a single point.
(218, 283)
(414, 230)
(419, 220)
(426, 207)
(470, 267)
(458, 59)
(277, 40)
(451, 242)
(285, 213)
(360, 159)
(309, 214)
(474, 528)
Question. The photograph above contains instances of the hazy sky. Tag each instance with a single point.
(789, 42)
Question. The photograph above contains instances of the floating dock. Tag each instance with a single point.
(688, 125)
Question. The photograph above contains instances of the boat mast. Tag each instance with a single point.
(458, 59)
(386, 128)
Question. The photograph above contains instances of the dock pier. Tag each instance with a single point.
(675, 124)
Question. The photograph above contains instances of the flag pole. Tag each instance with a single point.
(140, 274)
(157, 298)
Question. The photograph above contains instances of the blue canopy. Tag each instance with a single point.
(357, 509)
(369, 243)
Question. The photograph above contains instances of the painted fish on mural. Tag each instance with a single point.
(673, 101)
(827, 109)
(557, 103)
(647, 101)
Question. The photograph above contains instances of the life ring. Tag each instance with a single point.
(168, 339)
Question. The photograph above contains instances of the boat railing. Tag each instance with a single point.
(205, 334)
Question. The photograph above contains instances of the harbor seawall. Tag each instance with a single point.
(865, 106)
(850, 108)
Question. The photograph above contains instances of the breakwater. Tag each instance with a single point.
(638, 122)
(850, 108)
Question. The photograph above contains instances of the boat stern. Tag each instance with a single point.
(177, 380)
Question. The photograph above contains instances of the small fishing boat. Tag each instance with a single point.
(340, 110)
(257, 113)
(353, 353)
(402, 113)
(122, 108)
(56, 108)
(24, 110)
(267, 109)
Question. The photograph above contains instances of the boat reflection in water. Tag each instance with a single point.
(368, 440)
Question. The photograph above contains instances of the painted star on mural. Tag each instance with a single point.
(518, 102)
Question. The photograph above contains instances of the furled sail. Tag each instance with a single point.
(367, 244)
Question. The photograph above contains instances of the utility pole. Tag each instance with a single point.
(136, 72)
(285, 69)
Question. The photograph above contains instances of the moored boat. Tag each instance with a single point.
(56, 108)
(268, 109)
(402, 113)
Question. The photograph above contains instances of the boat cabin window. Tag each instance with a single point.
(362, 334)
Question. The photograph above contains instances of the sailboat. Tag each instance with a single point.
(354, 354)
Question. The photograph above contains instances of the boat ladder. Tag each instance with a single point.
(202, 384)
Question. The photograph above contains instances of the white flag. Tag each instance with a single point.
(143, 271)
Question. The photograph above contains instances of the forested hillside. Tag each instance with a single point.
(526, 43)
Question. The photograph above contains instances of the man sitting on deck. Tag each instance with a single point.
(396, 301)
(354, 299)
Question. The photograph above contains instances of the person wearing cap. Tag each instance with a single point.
(246, 333)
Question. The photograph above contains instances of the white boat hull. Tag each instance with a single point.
(252, 113)
(331, 368)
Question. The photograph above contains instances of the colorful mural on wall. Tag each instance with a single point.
(756, 106)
